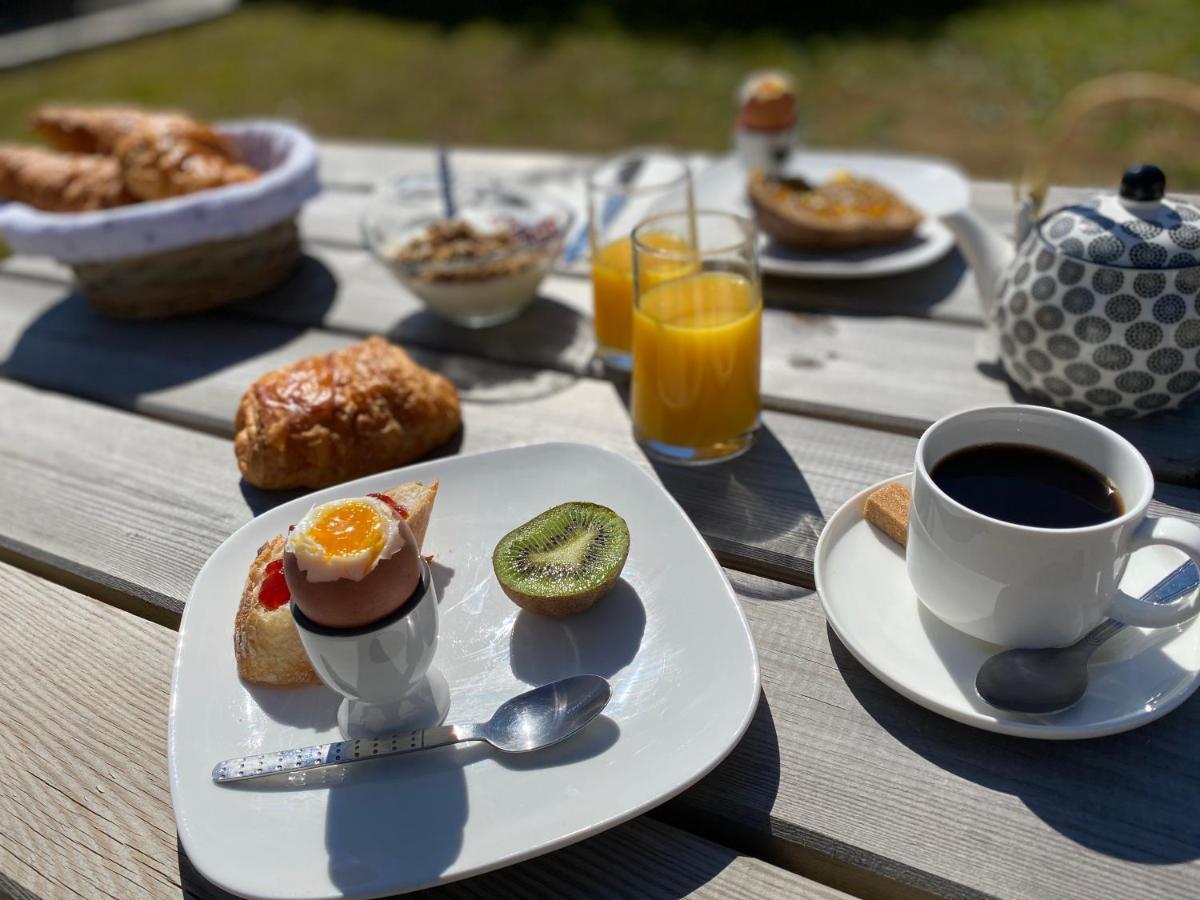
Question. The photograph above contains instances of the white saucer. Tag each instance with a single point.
(1135, 678)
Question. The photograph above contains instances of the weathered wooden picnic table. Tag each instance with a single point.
(118, 481)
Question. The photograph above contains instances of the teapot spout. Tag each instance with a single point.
(987, 252)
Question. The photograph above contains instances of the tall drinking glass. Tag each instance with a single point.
(697, 336)
(621, 192)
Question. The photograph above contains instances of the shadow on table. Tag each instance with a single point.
(484, 381)
(866, 254)
(759, 500)
(547, 335)
(910, 293)
(1126, 796)
(72, 349)
(194, 885)
(259, 500)
(732, 805)
(303, 299)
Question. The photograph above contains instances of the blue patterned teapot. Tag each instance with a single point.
(1097, 309)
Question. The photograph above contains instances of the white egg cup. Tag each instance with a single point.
(383, 670)
(768, 150)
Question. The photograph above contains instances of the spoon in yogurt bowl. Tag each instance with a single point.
(1053, 679)
(533, 720)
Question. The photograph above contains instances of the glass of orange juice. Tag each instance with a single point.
(621, 192)
(697, 336)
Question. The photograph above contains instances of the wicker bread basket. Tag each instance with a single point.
(191, 279)
(185, 254)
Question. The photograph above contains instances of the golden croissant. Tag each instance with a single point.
(158, 163)
(83, 129)
(329, 418)
(61, 182)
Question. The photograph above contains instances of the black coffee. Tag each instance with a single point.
(1028, 486)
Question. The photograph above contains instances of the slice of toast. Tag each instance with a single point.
(265, 642)
(843, 213)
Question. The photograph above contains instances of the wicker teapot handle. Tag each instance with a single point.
(1081, 101)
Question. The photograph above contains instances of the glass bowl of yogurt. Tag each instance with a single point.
(481, 267)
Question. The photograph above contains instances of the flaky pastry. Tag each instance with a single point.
(157, 163)
(341, 415)
(98, 129)
(60, 182)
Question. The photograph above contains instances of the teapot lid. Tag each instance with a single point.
(1139, 228)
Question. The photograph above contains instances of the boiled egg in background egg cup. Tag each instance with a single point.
(366, 608)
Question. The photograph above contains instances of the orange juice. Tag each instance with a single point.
(696, 342)
(612, 285)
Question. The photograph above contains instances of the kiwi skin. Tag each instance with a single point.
(564, 604)
(561, 605)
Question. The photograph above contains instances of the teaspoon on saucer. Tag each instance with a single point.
(529, 721)
(1052, 679)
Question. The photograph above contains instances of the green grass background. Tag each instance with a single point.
(979, 86)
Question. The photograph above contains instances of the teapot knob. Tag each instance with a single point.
(1143, 183)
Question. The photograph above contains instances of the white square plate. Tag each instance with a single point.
(670, 637)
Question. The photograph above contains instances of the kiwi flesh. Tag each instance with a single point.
(564, 560)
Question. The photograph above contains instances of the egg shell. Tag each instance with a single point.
(344, 603)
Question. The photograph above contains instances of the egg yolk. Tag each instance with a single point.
(348, 529)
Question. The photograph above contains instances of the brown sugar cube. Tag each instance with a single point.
(887, 510)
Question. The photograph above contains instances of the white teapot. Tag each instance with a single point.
(1097, 307)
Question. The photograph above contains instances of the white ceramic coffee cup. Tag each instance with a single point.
(1020, 586)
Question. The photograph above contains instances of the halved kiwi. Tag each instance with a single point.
(564, 560)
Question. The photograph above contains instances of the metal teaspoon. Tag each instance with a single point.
(529, 721)
(1050, 680)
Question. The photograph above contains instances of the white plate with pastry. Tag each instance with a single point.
(934, 188)
(670, 637)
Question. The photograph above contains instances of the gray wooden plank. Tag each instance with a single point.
(902, 374)
(896, 372)
(345, 290)
(644, 858)
(82, 816)
(762, 512)
(359, 165)
(194, 371)
(839, 774)
(837, 778)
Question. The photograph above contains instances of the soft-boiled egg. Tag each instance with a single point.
(351, 562)
(344, 539)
